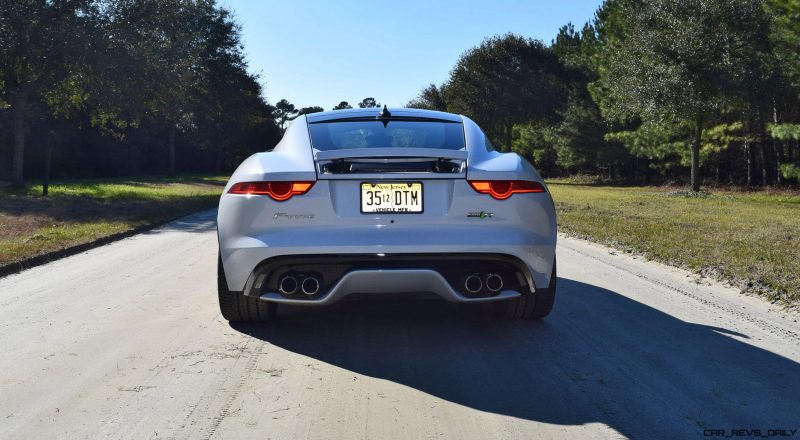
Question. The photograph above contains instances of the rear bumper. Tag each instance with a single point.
(243, 255)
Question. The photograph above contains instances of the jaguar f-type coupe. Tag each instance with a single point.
(370, 202)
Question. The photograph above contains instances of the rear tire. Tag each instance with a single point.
(236, 307)
(530, 305)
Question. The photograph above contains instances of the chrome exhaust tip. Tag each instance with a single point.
(473, 284)
(494, 282)
(288, 285)
(310, 286)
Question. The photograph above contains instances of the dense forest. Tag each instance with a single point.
(650, 91)
(124, 87)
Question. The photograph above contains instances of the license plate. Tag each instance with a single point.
(391, 198)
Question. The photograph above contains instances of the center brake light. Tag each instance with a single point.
(278, 191)
(503, 189)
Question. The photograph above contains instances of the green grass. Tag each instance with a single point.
(750, 239)
(81, 211)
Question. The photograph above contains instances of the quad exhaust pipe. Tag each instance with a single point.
(310, 285)
(475, 283)
(494, 282)
(288, 285)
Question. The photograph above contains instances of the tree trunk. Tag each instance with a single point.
(509, 136)
(749, 154)
(220, 155)
(171, 169)
(777, 147)
(20, 109)
(764, 165)
(48, 156)
(797, 150)
(749, 161)
(766, 175)
(698, 133)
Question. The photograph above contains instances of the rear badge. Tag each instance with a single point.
(283, 215)
(480, 214)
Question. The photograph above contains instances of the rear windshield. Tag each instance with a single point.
(339, 135)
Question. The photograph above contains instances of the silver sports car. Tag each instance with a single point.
(369, 202)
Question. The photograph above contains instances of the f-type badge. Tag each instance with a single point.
(283, 215)
(480, 214)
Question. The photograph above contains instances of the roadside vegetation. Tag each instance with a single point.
(694, 91)
(750, 239)
(80, 212)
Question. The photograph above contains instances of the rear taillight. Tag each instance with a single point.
(278, 191)
(503, 189)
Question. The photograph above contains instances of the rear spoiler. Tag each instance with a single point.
(387, 153)
(383, 163)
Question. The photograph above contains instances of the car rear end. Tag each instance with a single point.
(354, 202)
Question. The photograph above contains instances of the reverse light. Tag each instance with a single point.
(503, 189)
(278, 191)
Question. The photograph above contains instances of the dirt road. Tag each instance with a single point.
(126, 341)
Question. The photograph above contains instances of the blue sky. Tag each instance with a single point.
(317, 52)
